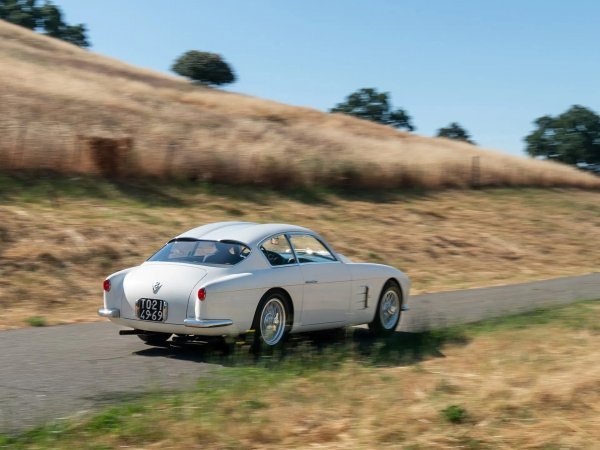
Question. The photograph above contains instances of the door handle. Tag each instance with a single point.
(311, 281)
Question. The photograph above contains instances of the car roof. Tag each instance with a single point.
(249, 233)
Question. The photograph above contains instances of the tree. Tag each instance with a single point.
(51, 21)
(368, 104)
(76, 34)
(571, 137)
(203, 67)
(47, 18)
(19, 12)
(455, 131)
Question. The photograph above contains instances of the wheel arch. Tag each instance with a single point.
(375, 325)
(288, 301)
(397, 282)
(392, 280)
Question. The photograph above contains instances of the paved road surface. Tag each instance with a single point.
(470, 305)
(49, 373)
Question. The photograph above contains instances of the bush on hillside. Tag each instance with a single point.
(368, 104)
(204, 67)
(456, 132)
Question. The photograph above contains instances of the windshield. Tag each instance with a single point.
(202, 252)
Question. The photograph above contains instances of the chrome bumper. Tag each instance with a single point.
(109, 312)
(207, 323)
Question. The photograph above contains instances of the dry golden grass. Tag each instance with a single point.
(53, 96)
(58, 238)
(533, 388)
(536, 388)
(521, 387)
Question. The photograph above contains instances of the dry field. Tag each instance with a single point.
(60, 237)
(526, 382)
(70, 110)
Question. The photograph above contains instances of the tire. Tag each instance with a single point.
(389, 310)
(154, 338)
(272, 320)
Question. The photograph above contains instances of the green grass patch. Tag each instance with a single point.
(36, 321)
(27, 187)
(44, 186)
(454, 414)
(582, 315)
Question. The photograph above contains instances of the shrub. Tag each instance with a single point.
(36, 321)
(204, 67)
(454, 414)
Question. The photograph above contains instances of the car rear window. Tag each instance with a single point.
(196, 251)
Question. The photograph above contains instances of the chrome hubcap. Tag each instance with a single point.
(390, 309)
(272, 321)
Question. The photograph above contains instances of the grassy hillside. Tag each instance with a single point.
(529, 381)
(60, 237)
(69, 110)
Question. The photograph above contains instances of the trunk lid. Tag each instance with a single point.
(163, 281)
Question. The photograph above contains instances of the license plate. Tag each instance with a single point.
(151, 309)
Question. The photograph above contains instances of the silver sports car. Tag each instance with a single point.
(227, 278)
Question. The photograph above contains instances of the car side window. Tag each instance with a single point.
(277, 250)
(310, 250)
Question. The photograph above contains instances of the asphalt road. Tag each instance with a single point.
(50, 373)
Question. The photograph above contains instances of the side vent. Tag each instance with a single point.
(362, 297)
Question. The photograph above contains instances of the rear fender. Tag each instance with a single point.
(114, 297)
(236, 296)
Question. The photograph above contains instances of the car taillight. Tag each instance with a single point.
(106, 285)
(201, 294)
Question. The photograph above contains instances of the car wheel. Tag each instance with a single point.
(154, 338)
(272, 320)
(388, 310)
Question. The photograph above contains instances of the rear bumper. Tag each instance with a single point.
(207, 323)
(201, 327)
(109, 312)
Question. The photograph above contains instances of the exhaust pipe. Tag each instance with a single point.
(128, 332)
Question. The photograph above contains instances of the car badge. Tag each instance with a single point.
(156, 287)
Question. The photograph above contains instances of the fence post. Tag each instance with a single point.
(475, 172)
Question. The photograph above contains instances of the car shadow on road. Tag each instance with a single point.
(326, 347)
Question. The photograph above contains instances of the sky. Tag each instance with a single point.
(493, 66)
